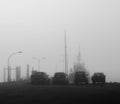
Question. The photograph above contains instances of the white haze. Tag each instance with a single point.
(36, 27)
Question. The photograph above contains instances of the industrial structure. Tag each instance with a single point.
(17, 71)
(28, 72)
(79, 66)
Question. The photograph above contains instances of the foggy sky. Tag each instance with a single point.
(36, 27)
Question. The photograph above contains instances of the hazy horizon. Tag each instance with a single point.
(36, 27)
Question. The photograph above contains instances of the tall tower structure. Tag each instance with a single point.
(18, 73)
(66, 60)
(9, 73)
(79, 56)
(79, 66)
(27, 74)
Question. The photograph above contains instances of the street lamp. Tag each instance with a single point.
(9, 70)
(38, 61)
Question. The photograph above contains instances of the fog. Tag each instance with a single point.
(36, 27)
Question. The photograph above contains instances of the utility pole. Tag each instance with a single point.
(66, 61)
(4, 75)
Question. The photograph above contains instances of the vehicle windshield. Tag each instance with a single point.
(40, 74)
(98, 74)
(59, 75)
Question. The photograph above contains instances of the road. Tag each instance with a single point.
(25, 93)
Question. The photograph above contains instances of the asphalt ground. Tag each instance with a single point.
(25, 93)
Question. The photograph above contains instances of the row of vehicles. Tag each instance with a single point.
(60, 78)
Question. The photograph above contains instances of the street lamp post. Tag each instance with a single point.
(9, 68)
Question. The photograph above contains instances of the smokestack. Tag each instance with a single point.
(27, 75)
(9, 73)
(18, 73)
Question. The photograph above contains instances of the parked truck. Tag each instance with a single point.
(39, 78)
(98, 78)
(60, 78)
(80, 77)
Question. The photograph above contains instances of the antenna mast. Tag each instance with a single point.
(79, 56)
(66, 61)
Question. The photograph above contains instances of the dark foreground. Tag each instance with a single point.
(29, 94)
